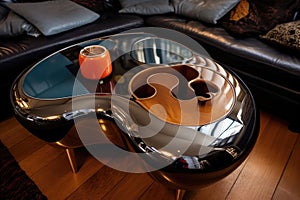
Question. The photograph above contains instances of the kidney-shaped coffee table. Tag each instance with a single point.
(189, 119)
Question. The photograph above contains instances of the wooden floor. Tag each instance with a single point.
(272, 170)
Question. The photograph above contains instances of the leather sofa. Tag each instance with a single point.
(272, 75)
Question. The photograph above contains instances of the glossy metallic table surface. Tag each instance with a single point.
(182, 148)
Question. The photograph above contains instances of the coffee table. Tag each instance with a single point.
(191, 120)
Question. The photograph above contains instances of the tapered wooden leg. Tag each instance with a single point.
(180, 194)
(72, 159)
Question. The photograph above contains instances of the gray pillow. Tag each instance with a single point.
(13, 25)
(146, 7)
(129, 3)
(209, 11)
(52, 17)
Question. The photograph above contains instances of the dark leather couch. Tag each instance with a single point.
(272, 75)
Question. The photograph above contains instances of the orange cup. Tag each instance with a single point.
(95, 62)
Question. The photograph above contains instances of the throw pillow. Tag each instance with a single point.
(129, 3)
(240, 11)
(203, 10)
(13, 25)
(146, 7)
(94, 5)
(52, 17)
(286, 35)
(261, 16)
(100, 6)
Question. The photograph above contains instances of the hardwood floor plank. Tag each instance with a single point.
(266, 162)
(158, 191)
(99, 184)
(131, 187)
(40, 158)
(289, 187)
(57, 181)
(11, 132)
(8, 124)
(265, 118)
(26, 147)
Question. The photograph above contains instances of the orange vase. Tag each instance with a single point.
(95, 62)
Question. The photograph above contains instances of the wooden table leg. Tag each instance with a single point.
(72, 159)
